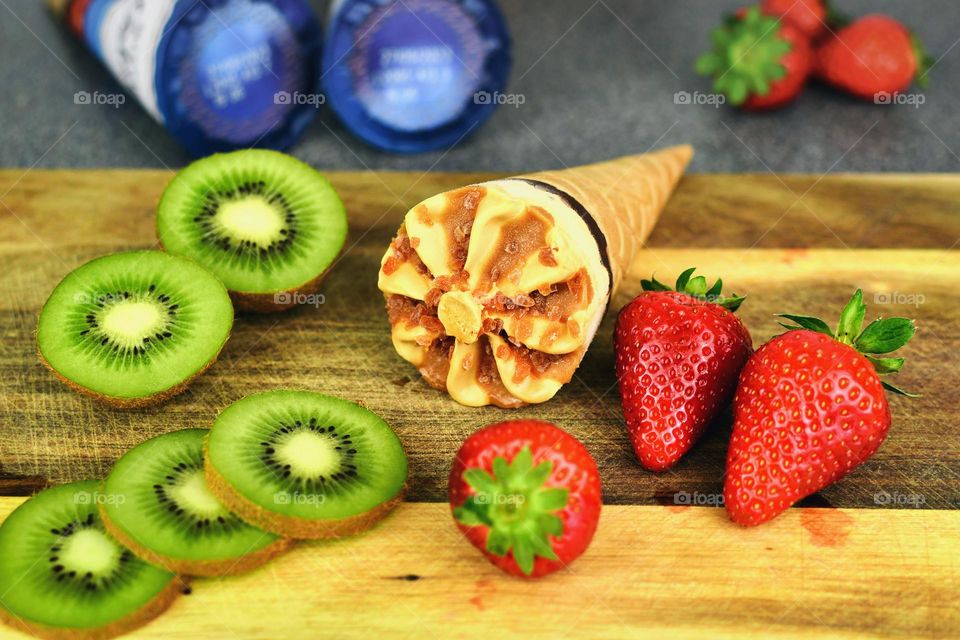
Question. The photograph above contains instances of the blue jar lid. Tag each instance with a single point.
(238, 73)
(415, 75)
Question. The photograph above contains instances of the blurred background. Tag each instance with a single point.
(597, 79)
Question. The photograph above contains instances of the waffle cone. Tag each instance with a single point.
(624, 196)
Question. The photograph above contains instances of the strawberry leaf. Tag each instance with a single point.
(898, 390)
(714, 291)
(552, 499)
(925, 61)
(684, 278)
(523, 553)
(697, 287)
(885, 335)
(653, 285)
(472, 514)
(851, 320)
(886, 365)
(806, 322)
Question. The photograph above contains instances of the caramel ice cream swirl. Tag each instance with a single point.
(494, 291)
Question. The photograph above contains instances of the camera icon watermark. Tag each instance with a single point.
(97, 498)
(515, 499)
(298, 98)
(286, 497)
(697, 499)
(899, 297)
(515, 100)
(714, 100)
(897, 499)
(288, 298)
(115, 100)
(910, 99)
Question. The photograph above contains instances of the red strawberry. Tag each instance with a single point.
(757, 62)
(527, 494)
(810, 407)
(807, 16)
(873, 58)
(678, 356)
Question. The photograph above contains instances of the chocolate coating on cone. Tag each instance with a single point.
(595, 230)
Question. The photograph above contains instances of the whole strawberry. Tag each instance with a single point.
(757, 61)
(810, 407)
(807, 16)
(527, 494)
(872, 58)
(678, 356)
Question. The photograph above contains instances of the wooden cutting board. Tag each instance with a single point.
(882, 560)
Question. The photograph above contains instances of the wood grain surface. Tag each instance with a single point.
(784, 241)
(885, 564)
(651, 572)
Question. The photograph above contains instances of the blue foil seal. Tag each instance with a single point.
(415, 75)
(238, 73)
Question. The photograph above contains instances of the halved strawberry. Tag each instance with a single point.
(527, 494)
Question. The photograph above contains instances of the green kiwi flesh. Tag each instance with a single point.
(264, 222)
(62, 575)
(166, 514)
(134, 328)
(305, 465)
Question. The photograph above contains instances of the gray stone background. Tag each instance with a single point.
(598, 78)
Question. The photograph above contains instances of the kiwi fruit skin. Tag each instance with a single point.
(198, 568)
(289, 526)
(133, 620)
(129, 403)
(136, 402)
(266, 302)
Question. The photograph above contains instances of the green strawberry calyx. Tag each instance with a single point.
(925, 61)
(746, 56)
(880, 338)
(517, 506)
(697, 287)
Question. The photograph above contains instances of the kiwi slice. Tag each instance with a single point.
(268, 225)
(167, 516)
(63, 576)
(305, 465)
(133, 329)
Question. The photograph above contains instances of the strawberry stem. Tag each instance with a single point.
(517, 506)
(879, 338)
(697, 287)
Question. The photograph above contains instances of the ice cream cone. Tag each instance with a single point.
(496, 290)
(625, 196)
